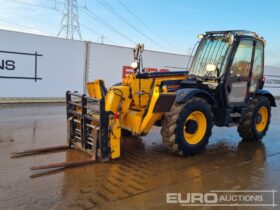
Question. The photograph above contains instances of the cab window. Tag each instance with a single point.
(257, 67)
(242, 60)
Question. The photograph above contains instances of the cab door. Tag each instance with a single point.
(238, 80)
(257, 68)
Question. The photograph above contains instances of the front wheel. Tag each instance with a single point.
(255, 123)
(187, 128)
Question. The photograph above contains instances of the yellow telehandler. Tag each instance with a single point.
(223, 87)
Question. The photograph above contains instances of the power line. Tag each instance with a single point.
(104, 23)
(91, 30)
(88, 12)
(117, 14)
(55, 4)
(70, 20)
(29, 4)
(20, 27)
(85, 4)
(145, 25)
(97, 33)
(72, 27)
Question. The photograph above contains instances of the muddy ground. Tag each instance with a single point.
(140, 179)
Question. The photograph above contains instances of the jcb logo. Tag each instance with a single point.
(9, 65)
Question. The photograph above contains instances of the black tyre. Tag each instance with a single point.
(256, 121)
(187, 127)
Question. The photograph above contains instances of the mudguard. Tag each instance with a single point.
(267, 94)
(184, 94)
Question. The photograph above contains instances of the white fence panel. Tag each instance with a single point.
(39, 66)
(108, 62)
(272, 80)
(43, 67)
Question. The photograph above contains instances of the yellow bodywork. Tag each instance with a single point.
(94, 89)
(133, 103)
(115, 138)
(117, 99)
(138, 123)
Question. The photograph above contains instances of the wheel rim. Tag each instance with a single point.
(262, 118)
(195, 127)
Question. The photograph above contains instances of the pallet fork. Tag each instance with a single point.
(87, 124)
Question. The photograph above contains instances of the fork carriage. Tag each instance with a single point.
(87, 125)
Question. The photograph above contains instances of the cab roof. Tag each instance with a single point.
(236, 33)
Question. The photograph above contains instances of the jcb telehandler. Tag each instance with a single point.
(223, 87)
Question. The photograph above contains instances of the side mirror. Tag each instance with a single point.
(134, 65)
(211, 67)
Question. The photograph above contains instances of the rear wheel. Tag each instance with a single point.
(256, 121)
(187, 127)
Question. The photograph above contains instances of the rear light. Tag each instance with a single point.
(116, 116)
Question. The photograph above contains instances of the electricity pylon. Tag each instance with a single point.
(69, 24)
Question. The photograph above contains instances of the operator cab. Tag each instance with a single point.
(229, 64)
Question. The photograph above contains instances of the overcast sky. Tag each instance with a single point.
(163, 25)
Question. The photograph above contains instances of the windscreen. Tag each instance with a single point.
(212, 50)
